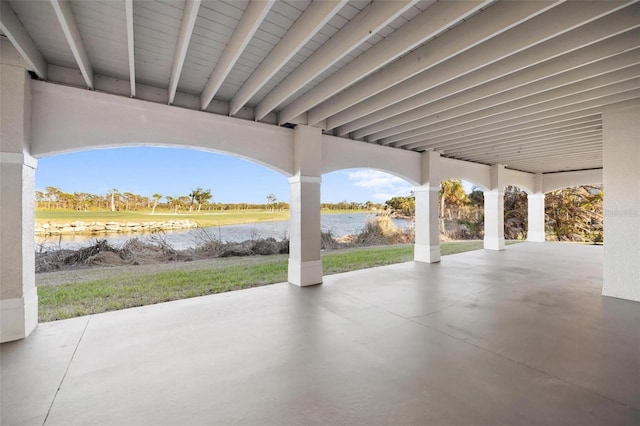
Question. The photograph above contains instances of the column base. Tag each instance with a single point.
(494, 243)
(426, 254)
(304, 274)
(18, 317)
(536, 237)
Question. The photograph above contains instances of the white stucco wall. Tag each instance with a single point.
(68, 119)
(621, 130)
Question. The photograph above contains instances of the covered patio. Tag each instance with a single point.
(537, 94)
(521, 336)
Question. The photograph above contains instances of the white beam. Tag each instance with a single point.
(567, 95)
(62, 9)
(428, 24)
(544, 89)
(366, 23)
(537, 30)
(128, 10)
(496, 19)
(486, 133)
(304, 28)
(189, 16)
(552, 140)
(518, 135)
(588, 101)
(20, 39)
(412, 108)
(248, 25)
(522, 138)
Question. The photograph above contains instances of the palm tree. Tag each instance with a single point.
(156, 198)
(452, 196)
(114, 194)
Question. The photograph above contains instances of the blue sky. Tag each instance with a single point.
(175, 172)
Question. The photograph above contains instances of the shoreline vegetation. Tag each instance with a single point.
(102, 277)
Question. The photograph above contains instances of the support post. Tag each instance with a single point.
(427, 243)
(18, 295)
(305, 263)
(494, 210)
(535, 212)
(621, 269)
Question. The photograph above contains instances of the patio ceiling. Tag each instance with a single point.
(517, 83)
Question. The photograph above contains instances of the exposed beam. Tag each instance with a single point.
(496, 19)
(20, 39)
(369, 21)
(303, 29)
(515, 135)
(62, 9)
(409, 110)
(482, 134)
(248, 25)
(523, 137)
(428, 24)
(534, 142)
(544, 89)
(565, 96)
(128, 10)
(189, 16)
(526, 35)
(585, 101)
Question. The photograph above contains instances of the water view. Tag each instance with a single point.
(338, 224)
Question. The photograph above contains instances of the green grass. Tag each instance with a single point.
(215, 218)
(205, 218)
(72, 300)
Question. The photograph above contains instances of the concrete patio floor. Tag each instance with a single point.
(521, 336)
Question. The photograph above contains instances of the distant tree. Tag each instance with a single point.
(271, 201)
(202, 197)
(51, 193)
(156, 198)
(114, 196)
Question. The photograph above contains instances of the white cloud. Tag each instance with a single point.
(379, 185)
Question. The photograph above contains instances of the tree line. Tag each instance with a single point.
(196, 201)
(571, 214)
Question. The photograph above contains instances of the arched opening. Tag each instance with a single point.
(107, 197)
(379, 207)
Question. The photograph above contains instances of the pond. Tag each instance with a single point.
(338, 224)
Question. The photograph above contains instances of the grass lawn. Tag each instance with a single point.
(205, 218)
(72, 300)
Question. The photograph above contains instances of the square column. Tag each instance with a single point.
(621, 134)
(18, 295)
(427, 244)
(536, 218)
(305, 263)
(494, 211)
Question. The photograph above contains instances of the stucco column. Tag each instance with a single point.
(621, 131)
(305, 263)
(494, 210)
(427, 243)
(536, 218)
(535, 212)
(18, 296)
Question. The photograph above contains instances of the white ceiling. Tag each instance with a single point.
(518, 83)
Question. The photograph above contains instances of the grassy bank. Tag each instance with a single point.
(205, 218)
(130, 290)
